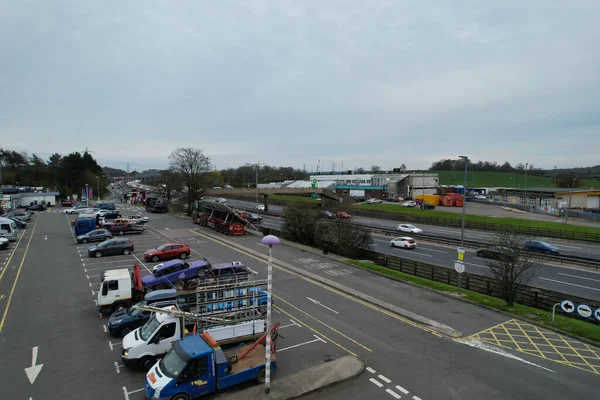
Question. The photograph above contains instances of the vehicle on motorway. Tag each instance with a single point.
(21, 223)
(409, 228)
(111, 247)
(178, 374)
(253, 218)
(342, 215)
(97, 235)
(394, 199)
(495, 252)
(374, 201)
(171, 272)
(221, 200)
(427, 206)
(37, 207)
(167, 252)
(220, 217)
(539, 246)
(140, 220)
(156, 337)
(9, 229)
(327, 214)
(260, 207)
(404, 242)
(121, 322)
(410, 203)
(20, 214)
(4, 243)
(480, 197)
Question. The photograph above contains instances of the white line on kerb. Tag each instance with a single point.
(371, 370)
(400, 388)
(383, 378)
(390, 391)
(376, 382)
(416, 398)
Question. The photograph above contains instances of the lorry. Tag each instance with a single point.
(156, 204)
(197, 365)
(219, 217)
(146, 344)
(84, 225)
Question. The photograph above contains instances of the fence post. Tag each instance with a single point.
(535, 299)
(488, 288)
(467, 282)
(432, 270)
(448, 277)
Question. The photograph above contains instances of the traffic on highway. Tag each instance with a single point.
(404, 335)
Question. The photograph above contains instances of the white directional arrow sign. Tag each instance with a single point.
(317, 302)
(33, 371)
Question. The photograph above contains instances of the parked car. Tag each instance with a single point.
(24, 215)
(112, 214)
(495, 252)
(37, 207)
(394, 199)
(480, 197)
(4, 242)
(97, 235)
(254, 218)
(404, 242)
(111, 247)
(168, 251)
(409, 228)
(21, 223)
(427, 206)
(139, 219)
(260, 207)
(327, 214)
(374, 201)
(102, 212)
(410, 203)
(342, 215)
(540, 246)
(173, 272)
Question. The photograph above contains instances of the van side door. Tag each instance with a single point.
(160, 343)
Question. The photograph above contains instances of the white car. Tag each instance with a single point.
(260, 207)
(139, 219)
(480, 197)
(404, 242)
(409, 204)
(4, 242)
(221, 200)
(101, 213)
(409, 228)
(374, 201)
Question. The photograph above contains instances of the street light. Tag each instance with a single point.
(269, 240)
(526, 202)
(570, 197)
(462, 231)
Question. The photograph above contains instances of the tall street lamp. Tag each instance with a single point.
(462, 230)
(269, 240)
(570, 197)
(526, 202)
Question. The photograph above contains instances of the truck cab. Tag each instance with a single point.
(196, 366)
(84, 225)
(119, 289)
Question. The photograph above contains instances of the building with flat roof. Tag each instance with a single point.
(550, 200)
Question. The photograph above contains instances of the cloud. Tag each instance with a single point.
(289, 83)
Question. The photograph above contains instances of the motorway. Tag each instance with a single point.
(573, 280)
(49, 320)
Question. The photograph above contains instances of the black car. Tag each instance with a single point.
(98, 235)
(427, 206)
(112, 214)
(36, 207)
(327, 214)
(21, 223)
(111, 247)
(496, 253)
(253, 218)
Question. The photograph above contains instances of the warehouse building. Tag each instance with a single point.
(550, 200)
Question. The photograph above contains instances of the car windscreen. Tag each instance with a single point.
(161, 248)
(136, 311)
(149, 328)
(173, 363)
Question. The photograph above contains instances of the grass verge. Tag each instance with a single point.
(395, 209)
(573, 326)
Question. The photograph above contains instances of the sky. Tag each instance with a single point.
(288, 83)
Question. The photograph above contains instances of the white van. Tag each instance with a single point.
(8, 229)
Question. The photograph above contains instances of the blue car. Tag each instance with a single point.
(169, 273)
(540, 246)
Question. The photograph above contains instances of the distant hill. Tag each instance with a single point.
(503, 179)
(112, 172)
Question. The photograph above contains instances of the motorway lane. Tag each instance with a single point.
(566, 248)
(407, 355)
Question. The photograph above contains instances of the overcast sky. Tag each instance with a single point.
(291, 82)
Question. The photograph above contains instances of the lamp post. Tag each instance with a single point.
(269, 240)
(256, 184)
(462, 230)
(570, 197)
(526, 202)
(87, 195)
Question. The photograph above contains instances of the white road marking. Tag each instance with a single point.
(371, 370)
(580, 277)
(383, 378)
(376, 382)
(294, 323)
(400, 388)
(394, 394)
(140, 261)
(111, 344)
(571, 284)
(492, 349)
(251, 270)
(416, 398)
(421, 254)
(105, 329)
(437, 251)
(93, 293)
(318, 339)
(477, 265)
(33, 371)
(117, 367)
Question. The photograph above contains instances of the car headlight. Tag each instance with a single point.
(125, 353)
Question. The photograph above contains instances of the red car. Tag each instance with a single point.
(168, 251)
(342, 214)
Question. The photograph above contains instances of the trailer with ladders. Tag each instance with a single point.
(218, 216)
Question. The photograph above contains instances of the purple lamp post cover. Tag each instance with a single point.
(270, 240)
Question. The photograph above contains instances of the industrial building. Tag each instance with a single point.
(550, 200)
(15, 200)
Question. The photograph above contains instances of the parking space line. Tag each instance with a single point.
(111, 344)
(394, 394)
(318, 339)
(376, 382)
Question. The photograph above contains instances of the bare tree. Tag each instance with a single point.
(301, 222)
(344, 237)
(375, 169)
(512, 265)
(171, 180)
(193, 166)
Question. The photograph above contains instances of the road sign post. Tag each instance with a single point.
(459, 266)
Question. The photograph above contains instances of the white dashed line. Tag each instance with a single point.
(383, 378)
(400, 388)
(416, 398)
(390, 391)
(371, 370)
(376, 382)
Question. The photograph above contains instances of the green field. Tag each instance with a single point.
(501, 179)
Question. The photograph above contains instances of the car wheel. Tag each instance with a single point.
(260, 378)
(98, 254)
(147, 363)
(125, 330)
(183, 256)
(84, 240)
(155, 258)
(180, 396)
(121, 233)
(126, 251)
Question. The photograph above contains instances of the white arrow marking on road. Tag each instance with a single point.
(317, 302)
(33, 371)
(45, 237)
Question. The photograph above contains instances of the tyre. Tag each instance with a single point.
(125, 330)
(147, 363)
(98, 254)
(126, 252)
(183, 256)
(121, 233)
(180, 396)
(84, 240)
(200, 273)
(260, 378)
(155, 259)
